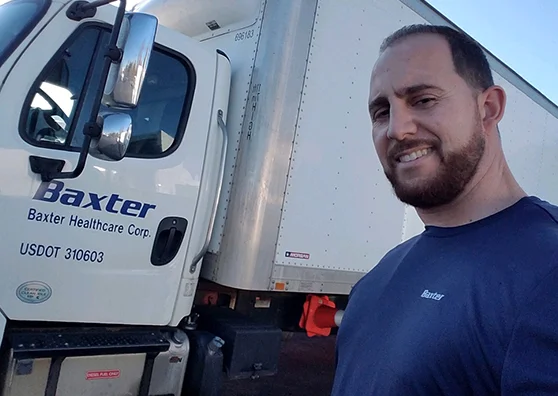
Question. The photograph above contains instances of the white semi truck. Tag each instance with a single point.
(177, 179)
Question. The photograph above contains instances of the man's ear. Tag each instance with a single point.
(492, 106)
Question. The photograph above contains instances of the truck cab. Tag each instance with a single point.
(139, 210)
(112, 159)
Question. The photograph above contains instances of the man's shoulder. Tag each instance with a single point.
(545, 208)
(525, 246)
(538, 220)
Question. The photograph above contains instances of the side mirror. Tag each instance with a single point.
(115, 137)
(126, 77)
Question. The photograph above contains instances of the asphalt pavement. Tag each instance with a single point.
(306, 368)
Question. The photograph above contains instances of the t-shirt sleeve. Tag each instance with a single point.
(531, 363)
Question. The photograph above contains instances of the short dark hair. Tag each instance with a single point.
(468, 57)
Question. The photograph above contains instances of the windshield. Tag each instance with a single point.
(17, 18)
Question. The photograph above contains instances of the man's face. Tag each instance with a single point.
(427, 127)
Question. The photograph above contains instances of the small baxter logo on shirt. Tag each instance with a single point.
(431, 295)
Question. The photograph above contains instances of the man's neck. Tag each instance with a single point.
(492, 192)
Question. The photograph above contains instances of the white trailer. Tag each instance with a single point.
(226, 173)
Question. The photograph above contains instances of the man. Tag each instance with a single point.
(470, 306)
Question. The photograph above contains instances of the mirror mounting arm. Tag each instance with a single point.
(90, 130)
(83, 9)
(74, 173)
(114, 54)
(80, 10)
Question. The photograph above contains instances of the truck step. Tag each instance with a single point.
(52, 343)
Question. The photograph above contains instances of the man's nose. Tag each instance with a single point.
(401, 123)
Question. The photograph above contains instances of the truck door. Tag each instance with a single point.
(110, 245)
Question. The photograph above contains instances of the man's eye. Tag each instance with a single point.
(380, 113)
(424, 101)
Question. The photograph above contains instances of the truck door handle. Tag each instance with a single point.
(168, 240)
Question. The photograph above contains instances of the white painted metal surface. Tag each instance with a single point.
(240, 46)
(203, 19)
(123, 287)
(269, 119)
(208, 190)
(339, 209)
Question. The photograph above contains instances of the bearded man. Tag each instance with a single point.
(470, 305)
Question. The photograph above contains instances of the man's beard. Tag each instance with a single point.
(455, 171)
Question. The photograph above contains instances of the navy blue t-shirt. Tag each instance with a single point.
(469, 310)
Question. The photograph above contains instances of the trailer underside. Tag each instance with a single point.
(306, 368)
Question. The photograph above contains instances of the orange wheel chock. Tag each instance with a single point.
(318, 316)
